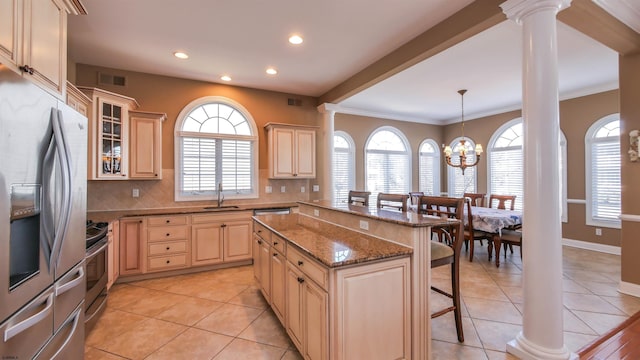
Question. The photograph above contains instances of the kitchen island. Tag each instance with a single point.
(371, 265)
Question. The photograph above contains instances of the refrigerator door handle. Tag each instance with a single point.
(76, 318)
(30, 321)
(65, 167)
(78, 280)
(47, 230)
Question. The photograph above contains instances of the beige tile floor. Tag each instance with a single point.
(221, 314)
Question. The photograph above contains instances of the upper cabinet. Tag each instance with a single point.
(145, 145)
(33, 40)
(77, 100)
(292, 151)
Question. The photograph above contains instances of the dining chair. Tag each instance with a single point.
(471, 234)
(447, 252)
(509, 238)
(359, 197)
(394, 201)
(477, 199)
(502, 201)
(415, 196)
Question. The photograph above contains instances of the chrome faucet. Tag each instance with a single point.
(220, 196)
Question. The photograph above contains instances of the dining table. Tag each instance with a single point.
(493, 221)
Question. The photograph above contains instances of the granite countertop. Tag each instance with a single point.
(109, 215)
(333, 246)
(408, 218)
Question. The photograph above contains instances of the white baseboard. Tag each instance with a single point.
(608, 249)
(629, 289)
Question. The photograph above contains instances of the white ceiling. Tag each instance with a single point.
(243, 38)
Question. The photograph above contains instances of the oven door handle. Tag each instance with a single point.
(59, 290)
(30, 321)
(94, 252)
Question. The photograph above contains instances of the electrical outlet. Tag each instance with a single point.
(316, 188)
(302, 189)
(268, 189)
(598, 232)
(364, 225)
(135, 193)
(283, 188)
(316, 212)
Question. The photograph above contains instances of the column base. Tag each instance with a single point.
(525, 350)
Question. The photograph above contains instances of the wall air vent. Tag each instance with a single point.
(294, 102)
(108, 79)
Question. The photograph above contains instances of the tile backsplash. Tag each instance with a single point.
(106, 195)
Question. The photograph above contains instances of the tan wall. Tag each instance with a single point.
(361, 127)
(170, 95)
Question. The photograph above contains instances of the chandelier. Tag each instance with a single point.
(461, 147)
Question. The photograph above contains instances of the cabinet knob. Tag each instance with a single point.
(300, 263)
(168, 261)
(275, 243)
(259, 231)
(27, 69)
(223, 225)
(259, 242)
(275, 254)
(140, 221)
(295, 174)
(168, 234)
(300, 280)
(156, 175)
(168, 248)
(168, 221)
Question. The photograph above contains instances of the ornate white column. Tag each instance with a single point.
(542, 332)
(327, 139)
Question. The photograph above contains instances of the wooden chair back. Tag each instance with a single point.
(393, 201)
(502, 201)
(359, 197)
(446, 207)
(477, 199)
(415, 196)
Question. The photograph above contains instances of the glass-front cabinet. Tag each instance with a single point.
(111, 138)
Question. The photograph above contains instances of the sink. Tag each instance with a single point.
(221, 208)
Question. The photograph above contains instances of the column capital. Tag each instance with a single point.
(327, 108)
(516, 10)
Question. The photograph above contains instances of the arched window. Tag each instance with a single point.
(429, 168)
(344, 159)
(506, 164)
(215, 144)
(602, 145)
(458, 183)
(388, 162)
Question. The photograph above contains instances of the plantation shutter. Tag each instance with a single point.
(236, 166)
(387, 172)
(605, 179)
(342, 174)
(507, 173)
(198, 165)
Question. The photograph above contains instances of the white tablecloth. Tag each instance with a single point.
(493, 220)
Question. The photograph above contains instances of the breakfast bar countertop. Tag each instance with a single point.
(332, 245)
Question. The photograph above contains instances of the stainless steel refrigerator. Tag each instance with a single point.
(43, 159)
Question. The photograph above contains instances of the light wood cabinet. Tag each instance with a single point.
(291, 151)
(33, 40)
(145, 144)
(132, 246)
(113, 236)
(207, 244)
(168, 240)
(265, 270)
(278, 278)
(77, 100)
(221, 237)
(108, 145)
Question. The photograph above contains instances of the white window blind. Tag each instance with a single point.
(387, 163)
(429, 168)
(343, 166)
(507, 173)
(603, 162)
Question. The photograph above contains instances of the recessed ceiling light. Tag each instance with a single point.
(271, 71)
(295, 39)
(225, 78)
(181, 55)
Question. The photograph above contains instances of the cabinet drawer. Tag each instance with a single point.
(279, 243)
(221, 217)
(165, 233)
(262, 231)
(311, 268)
(168, 220)
(167, 262)
(172, 247)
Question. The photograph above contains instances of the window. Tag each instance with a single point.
(388, 162)
(602, 146)
(506, 164)
(216, 143)
(343, 166)
(458, 183)
(429, 168)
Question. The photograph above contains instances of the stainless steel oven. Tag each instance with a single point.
(97, 272)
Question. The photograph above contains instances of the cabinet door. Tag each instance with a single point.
(294, 308)
(237, 240)
(315, 305)
(206, 244)
(114, 250)
(112, 141)
(283, 153)
(257, 241)
(265, 261)
(145, 149)
(132, 246)
(45, 42)
(305, 153)
(278, 274)
(10, 25)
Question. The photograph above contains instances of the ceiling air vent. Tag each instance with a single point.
(108, 79)
(294, 102)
